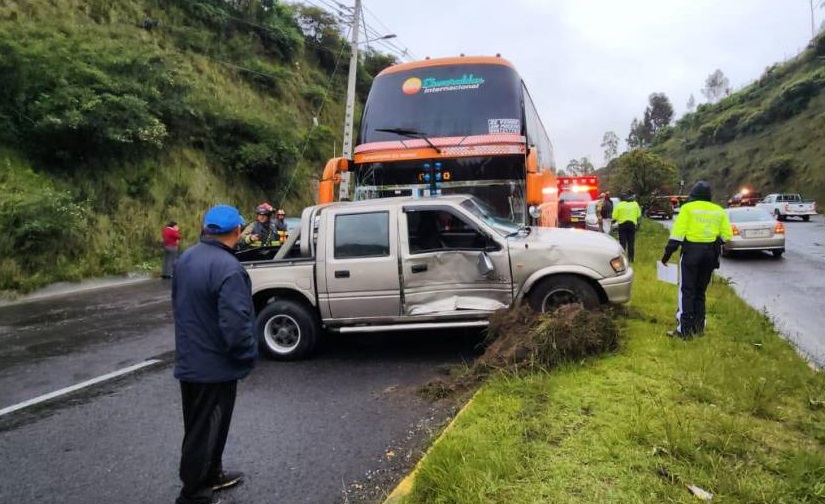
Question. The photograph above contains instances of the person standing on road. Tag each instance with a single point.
(606, 212)
(214, 348)
(700, 229)
(171, 240)
(626, 214)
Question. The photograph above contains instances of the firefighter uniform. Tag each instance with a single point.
(626, 214)
(700, 229)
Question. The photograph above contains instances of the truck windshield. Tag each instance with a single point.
(486, 213)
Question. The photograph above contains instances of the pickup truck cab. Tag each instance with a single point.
(422, 263)
(784, 205)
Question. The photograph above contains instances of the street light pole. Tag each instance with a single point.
(343, 188)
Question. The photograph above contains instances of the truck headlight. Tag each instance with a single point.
(618, 264)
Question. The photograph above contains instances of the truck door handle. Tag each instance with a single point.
(342, 274)
(418, 268)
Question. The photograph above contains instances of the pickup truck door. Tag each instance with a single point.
(360, 269)
(441, 251)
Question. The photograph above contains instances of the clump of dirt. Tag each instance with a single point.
(520, 339)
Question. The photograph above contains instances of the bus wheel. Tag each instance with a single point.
(558, 290)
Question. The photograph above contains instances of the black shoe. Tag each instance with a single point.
(226, 479)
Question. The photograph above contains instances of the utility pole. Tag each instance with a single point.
(343, 189)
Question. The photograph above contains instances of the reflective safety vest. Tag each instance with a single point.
(701, 222)
(627, 211)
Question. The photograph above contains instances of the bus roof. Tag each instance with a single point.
(461, 60)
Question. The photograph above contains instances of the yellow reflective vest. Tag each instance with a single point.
(701, 222)
(627, 211)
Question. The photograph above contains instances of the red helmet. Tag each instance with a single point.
(263, 209)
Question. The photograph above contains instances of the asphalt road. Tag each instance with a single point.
(790, 290)
(342, 427)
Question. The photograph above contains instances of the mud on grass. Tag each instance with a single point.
(521, 340)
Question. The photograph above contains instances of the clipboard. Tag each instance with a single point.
(667, 273)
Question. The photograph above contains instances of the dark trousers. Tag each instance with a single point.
(207, 412)
(627, 238)
(695, 270)
(170, 255)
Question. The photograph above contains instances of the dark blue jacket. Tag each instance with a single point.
(214, 315)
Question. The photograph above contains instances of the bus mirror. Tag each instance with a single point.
(535, 211)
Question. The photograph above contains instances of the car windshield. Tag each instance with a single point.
(486, 213)
(749, 215)
(574, 196)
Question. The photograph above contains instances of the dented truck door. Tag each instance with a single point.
(450, 264)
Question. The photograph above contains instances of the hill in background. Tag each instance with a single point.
(117, 115)
(768, 137)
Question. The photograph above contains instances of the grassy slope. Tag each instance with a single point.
(736, 412)
(183, 180)
(746, 160)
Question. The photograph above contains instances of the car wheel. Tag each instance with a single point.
(778, 215)
(559, 290)
(287, 330)
(806, 218)
(777, 253)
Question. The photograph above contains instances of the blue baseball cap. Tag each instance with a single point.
(221, 219)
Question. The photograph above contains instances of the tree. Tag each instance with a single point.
(641, 133)
(573, 167)
(716, 87)
(610, 144)
(642, 173)
(659, 112)
(691, 103)
(586, 167)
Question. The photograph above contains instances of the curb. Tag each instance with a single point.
(405, 486)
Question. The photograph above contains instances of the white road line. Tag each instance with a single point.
(73, 388)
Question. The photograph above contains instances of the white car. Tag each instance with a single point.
(754, 229)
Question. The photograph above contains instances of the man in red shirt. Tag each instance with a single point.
(171, 240)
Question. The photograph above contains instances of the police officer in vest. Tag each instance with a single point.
(626, 215)
(700, 229)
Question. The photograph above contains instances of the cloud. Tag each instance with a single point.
(591, 64)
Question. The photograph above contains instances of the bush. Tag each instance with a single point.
(780, 169)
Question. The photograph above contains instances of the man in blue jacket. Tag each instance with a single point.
(214, 348)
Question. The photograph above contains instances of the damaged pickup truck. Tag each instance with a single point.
(421, 263)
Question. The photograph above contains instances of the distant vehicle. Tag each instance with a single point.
(784, 205)
(744, 198)
(678, 201)
(573, 208)
(660, 207)
(579, 184)
(754, 229)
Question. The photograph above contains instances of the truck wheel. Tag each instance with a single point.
(287, 330)
(778, 215)
(806, 218)
(778, 253)
(559, 290)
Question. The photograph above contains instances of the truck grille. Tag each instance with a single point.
(578, 212)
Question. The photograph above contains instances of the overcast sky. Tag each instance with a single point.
(591, 64)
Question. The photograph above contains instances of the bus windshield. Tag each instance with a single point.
(444, 101)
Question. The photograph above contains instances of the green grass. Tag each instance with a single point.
(736, 412)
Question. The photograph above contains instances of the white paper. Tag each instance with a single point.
(667, 273)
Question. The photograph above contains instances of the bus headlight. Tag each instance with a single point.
(618, 264)
(535, 211)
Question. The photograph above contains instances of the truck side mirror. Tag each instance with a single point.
(485, 264)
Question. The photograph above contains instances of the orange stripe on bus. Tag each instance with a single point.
(464, 60)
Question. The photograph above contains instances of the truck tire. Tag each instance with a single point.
(287, 330)
(778, 215)
(778, 253)
(806, 218)
(558, 290)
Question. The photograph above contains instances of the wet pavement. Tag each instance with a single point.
(790, 290)
(342, 427)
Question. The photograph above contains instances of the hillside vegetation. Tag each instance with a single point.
(769, 136)
(117, 115)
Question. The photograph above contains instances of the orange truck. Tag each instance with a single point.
(463, 125)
